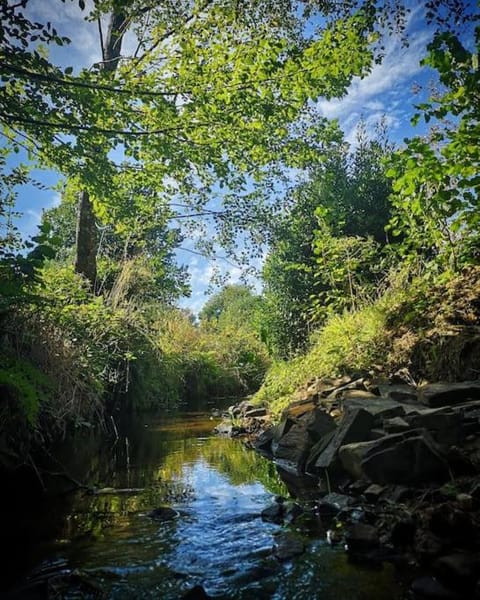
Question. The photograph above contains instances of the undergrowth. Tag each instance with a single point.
(428, 326)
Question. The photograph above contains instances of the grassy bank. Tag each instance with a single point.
(428, 328)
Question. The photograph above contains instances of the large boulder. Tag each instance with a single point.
(294, 438)
(294, 446)
(408, 458)
(445, 425)
(318, 424)
(435, 395)
(355, 426)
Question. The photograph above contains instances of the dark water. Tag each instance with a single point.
(218, 540)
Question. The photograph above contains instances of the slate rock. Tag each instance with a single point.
(318, 424)
(299, 408)
(373, 492)
(196, 593)
(263, 443)
(401, 458)
(403, 532)
(294, 446)
(399, 392)
(256, 412)
(443, 394)
(274, 513)
(380, 408)
(445, 425)
(429, 588)
(396, 425)
(354, 427)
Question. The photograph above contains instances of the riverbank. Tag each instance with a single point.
(394, 469)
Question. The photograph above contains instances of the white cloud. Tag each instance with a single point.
(385, 90)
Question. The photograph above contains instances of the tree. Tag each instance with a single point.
(436, 179)
(209, 98)
(327, 245)
(234, 306)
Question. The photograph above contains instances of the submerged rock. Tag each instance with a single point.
(287, 545)
(163, 513)
(196, 593)
(361, 537)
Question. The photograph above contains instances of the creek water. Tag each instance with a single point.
(217, 540)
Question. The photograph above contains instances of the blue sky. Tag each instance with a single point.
(386, 93)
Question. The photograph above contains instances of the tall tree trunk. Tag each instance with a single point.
(86, 238)
(86, 235)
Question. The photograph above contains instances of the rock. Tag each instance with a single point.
(274, 514)
(287, 545)
(445, 425)
(354, 427)
(380, 408)
(336, 392)
(299, 408)
(318, 424)
(224, 428)
(334, 537)
(333, 503)
(196, 593)
(400, 493)
(239, 410)
(451, 524)
(376, 433)
(399, 392)
(282, 428)
(403, 532)
(373, 492)
(396, 425)
(458, 570)
(294, 446)
(429, 588)
(163, 513)
(358, 394)
(256, 412)
(465, 501)
(263, 443)
(427, 545)
(404, 458)
(361, 537)
(442, 394)
(293, 512)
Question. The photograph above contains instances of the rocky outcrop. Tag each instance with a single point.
(392, 474)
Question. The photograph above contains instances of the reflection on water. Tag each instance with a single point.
(219, 541)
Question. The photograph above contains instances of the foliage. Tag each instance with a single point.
(348, 270)
(29, 386)
(425, 326)
(436, 180)
(347, 343)
(326, 250)
(217, 95)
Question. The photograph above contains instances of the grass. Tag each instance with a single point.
(427, 325)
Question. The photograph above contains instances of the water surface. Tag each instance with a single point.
(219, 488)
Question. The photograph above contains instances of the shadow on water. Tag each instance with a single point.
(104, 544)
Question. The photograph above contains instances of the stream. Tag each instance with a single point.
(218, 488)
